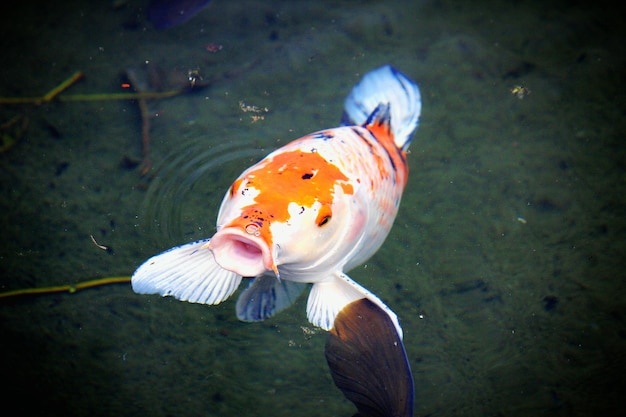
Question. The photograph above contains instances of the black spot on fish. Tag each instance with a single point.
(322, 135)
(359, 133)
(324, 220)
(307, 176)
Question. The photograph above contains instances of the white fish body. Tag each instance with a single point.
(306, 213)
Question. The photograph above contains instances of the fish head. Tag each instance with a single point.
(291, 210)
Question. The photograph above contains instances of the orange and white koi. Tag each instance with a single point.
(307, 212)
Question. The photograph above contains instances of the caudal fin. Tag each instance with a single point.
(368, 362)
(386, 85)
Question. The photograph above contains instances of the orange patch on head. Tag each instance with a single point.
(295, 177)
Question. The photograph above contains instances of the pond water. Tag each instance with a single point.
(505, 264)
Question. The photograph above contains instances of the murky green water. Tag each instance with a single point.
(505, 265)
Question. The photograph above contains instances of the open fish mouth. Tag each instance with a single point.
(241, 252)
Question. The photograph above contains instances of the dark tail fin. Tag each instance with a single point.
(368, 362)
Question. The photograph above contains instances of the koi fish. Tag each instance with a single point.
(306, 213)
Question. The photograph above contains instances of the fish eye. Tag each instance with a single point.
(235, 186)
(324, 215)
(324, 220)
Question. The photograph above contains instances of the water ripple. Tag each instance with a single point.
(183, 198)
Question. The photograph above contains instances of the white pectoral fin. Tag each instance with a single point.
(266, 296)
(188, 273)
(328, 298)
